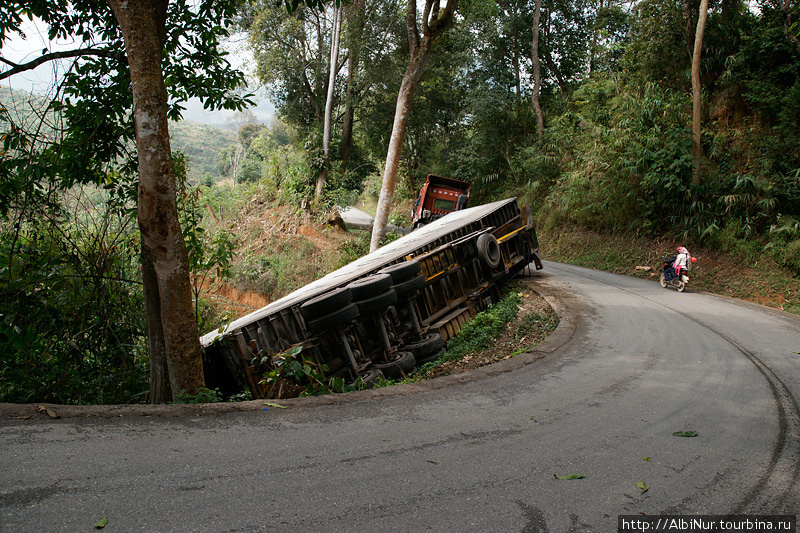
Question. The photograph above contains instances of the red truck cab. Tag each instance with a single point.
(438, 197)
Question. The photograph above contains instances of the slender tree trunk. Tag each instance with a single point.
(326, 135)
(168, 298)
(537, 71)
(347, 121)
(402, 109)
(434, 23)
(517, 83)
(697, 151)
(789, 24)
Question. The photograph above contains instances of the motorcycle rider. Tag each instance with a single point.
(683, 261)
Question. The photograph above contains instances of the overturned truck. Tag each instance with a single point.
(387, 312)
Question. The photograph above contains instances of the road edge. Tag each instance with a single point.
(567, 323)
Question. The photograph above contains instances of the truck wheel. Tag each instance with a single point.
(401, 363)
(429, 344)
(324, 304)
(407, 287)
(402, 271)
(338, 317)
(377, 303)
(489, 250)
(377, 283)
(428, 358)
(371, 377)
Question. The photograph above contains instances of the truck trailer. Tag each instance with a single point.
(385, 313)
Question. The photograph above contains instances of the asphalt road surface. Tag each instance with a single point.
(631, 364)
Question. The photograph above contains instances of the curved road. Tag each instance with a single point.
(631, 364)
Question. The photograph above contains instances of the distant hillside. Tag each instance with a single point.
(200, 142)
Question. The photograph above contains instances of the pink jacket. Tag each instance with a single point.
(683, 260)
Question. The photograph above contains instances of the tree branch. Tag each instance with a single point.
(17, 68)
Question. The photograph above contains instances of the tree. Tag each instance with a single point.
(697, 150)
(121, 82)
(326, 135)
(434, 23)
(537, 74)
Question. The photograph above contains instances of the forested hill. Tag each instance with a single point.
(200, 143)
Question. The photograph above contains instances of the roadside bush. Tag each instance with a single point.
(792, 257)
(71, 316)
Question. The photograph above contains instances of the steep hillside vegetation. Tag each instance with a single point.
(201, 144)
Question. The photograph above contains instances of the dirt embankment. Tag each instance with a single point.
(278, 250)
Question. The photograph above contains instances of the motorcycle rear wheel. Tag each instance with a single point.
(681, 286)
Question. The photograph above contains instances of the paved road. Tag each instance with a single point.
(631, 364)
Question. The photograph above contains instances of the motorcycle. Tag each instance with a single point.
(669, 278)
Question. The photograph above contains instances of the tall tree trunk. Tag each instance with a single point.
(537, 71)
(697, 149)
(401, 111)
(789, 25)
(517, 83)
(355, 29)
(347, 120)
(434, 24)
(160, 390)
(326, 135)
(170, 312)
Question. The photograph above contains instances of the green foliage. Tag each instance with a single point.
(287, 268)
(792, 257)
(293, 366)
(200, 143)
(201, 396)
(534, 322)
(480, 332)
(71, 321)
(354, 248)
(209, 253)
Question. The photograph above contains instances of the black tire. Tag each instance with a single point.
(338, 317)
(428, 358)
(402, 271)
(409, 286)
(428, 345)
(326, 303)
(401, 363)
(377, 303)
(371, 377)
(489, 250)
(370, 285)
